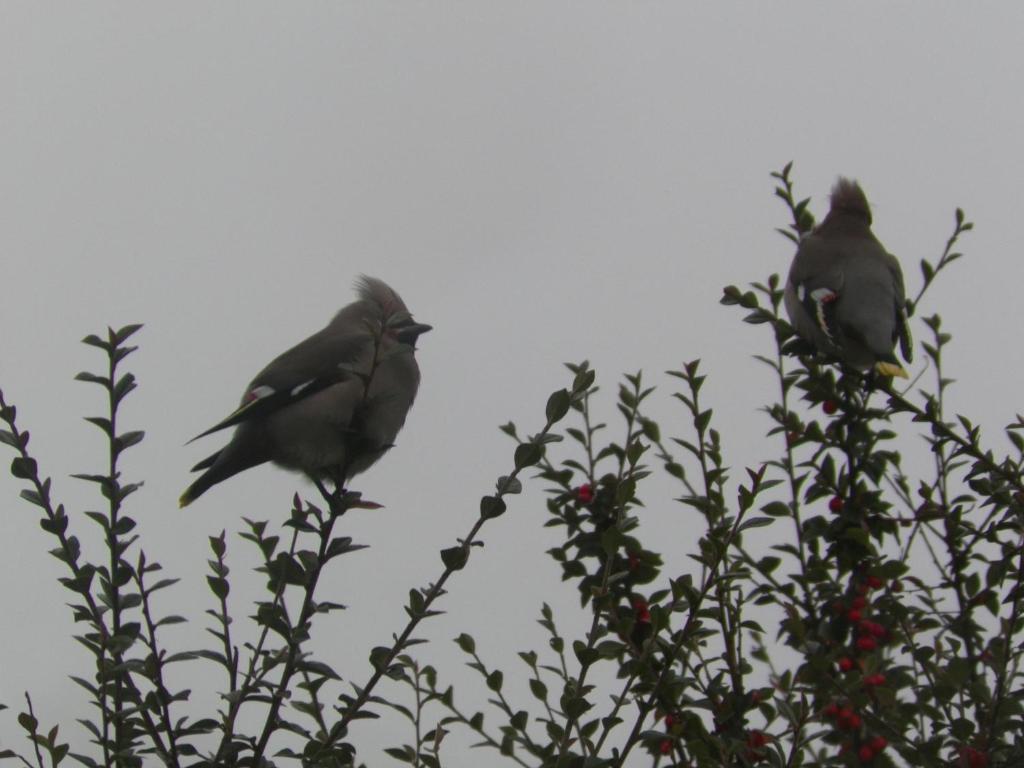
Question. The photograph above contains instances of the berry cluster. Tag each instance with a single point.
(866, 638)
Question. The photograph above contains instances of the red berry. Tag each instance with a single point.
(866, 754)
(757, 739)
(878, 630)
(866, 644)
(853, 616)
(846, 664)
(633, 561)
(585, 494)
(835, 504)
(973, 758)
(642, 612)
(665, 747)
(874, 680)
(879, 743)
(669, 720)
(874, 582)
(858, 602)
(830, 407)
(831, 710)
(848, 719)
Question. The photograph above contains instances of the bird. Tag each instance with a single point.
(845, 291)
(330, 406)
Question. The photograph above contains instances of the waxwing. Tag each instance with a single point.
(845, 291)
(331, 405)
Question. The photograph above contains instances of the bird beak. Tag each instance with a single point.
(408, 334)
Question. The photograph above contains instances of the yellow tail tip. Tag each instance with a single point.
(892, 369)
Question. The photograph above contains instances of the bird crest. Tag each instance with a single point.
(370, 289)
(848, 197)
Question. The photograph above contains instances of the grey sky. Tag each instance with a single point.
(541, 182)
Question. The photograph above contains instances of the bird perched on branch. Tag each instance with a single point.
(845, 292)
(331, 405)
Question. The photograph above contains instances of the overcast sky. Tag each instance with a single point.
(541, 181)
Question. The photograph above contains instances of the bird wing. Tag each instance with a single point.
(324, 359)
(817, 282)
(902, 318)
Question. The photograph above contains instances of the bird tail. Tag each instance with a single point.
(220, 466)
(194, 491)
(891, 369)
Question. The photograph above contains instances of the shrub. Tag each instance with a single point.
(876, 622)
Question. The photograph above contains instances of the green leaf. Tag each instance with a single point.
(92, 378)
(776, 509)
(100, 422)
(379, 657)
(538, 689)
(491, 507)
(558, 406)
(217, 545)
(124, 385)
(405, 754)
(583, 380)
(95, 341)
(466, 643)
(342, 545)
(121, 335)
(495, 680)
(23, 467)
(123, 525)
(508, 485)
(651, 429)
(127, 440)
(454, 558)
(586, 656)
(31, 495)
(287, 569)
(528, 454)
(218, 586)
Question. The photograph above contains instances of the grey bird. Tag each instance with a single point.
(331, 405)
(845, 292)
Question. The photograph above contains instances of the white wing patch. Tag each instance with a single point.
(258, 393)
(822, 297)
(296, 391)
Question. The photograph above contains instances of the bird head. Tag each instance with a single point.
(847, 197)
(386, 307)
